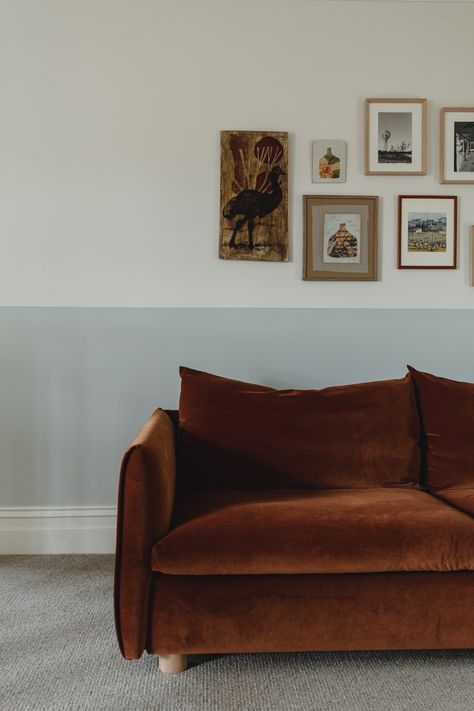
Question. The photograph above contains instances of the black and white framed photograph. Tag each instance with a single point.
(427, 231)
(395, 136)
(457, 145)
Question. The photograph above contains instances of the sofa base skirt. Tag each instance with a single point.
(298, 613)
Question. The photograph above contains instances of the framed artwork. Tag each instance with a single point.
(329, 161)
(472, 255)
(254, 196)
(340, 238)
(427, 231)
(457, 145)
(395, 136)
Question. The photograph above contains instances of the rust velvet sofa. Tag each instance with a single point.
(281, 520)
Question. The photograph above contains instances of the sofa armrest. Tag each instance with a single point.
(145, 507)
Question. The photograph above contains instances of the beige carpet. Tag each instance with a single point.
(58, 652)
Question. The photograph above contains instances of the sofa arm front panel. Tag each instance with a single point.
(145, 507)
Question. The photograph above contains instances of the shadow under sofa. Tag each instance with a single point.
(227, 570)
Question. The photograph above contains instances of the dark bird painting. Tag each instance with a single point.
(254, 196)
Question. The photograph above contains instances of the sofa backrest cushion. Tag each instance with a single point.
(447, 421)
(238, 435)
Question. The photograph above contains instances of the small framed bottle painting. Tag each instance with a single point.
(329, 161)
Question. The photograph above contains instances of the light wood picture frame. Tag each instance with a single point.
(427, 231)
(395, 136)
(471, 255)
(340, 237)
(457, 145)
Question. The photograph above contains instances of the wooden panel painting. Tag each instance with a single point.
(254, 196)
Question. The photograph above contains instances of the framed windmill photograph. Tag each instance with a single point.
(395, 136)
(254, 196)
(340, 237)
(427, 231)
(457, 145)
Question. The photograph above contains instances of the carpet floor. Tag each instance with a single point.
(58, 652)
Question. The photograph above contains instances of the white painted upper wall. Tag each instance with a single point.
(109, 141)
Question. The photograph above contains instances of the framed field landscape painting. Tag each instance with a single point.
(254, 196)
(457, 145)
(340, 238)
(427, 231)
(395, 137)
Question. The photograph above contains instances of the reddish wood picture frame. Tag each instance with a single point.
(425, 255)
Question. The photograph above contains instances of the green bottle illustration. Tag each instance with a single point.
(330, 166)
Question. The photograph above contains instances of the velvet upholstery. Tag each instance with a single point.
(237, 435)
(334, 495)
(146, 497)
(447, 416)
(318, 531)
(278, 613)
(462, 499)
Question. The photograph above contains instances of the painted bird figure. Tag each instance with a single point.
(252, 204)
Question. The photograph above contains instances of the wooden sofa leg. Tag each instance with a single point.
(173, 663)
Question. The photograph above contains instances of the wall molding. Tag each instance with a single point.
(57, 529)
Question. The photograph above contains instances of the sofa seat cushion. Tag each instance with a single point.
(315, 531)
(462, 499)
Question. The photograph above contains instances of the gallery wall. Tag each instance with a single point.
(109, 137)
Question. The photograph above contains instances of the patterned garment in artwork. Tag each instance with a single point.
(342, 243)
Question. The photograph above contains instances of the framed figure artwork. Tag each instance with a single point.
(457, 145)
(340, 238)
(395, 136)
(427, 231)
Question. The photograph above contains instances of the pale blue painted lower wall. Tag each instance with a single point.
(75, 384)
